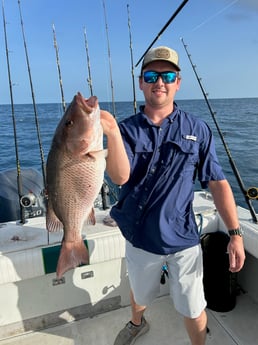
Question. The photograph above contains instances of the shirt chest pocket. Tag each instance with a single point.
(144, 150)
(183, 153)
(190, 148)
(143, 153)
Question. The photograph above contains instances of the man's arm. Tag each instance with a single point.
(118, 167)
(225, 204)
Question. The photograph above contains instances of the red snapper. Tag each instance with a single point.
(75, 173)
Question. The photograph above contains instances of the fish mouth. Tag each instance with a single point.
(88, 104)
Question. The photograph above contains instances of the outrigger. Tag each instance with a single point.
(90, 304)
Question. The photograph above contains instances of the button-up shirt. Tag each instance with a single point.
(155, 211)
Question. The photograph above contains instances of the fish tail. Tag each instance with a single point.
(72, 255)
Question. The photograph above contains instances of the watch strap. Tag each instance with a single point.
(237, 231)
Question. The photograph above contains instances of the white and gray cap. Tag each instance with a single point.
(161, 53)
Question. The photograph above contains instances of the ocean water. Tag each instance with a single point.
(237, 120)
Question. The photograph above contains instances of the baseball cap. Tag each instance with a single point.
(161, 53)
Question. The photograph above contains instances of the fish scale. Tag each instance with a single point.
(86, 186)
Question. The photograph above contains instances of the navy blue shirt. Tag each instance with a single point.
(154, 211)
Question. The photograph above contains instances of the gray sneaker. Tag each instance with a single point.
(129, 334)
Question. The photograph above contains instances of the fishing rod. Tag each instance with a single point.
(33, 100)
(163, 29)
(109, 58)
(59, 69)
(132, 64)
(231, 161)
(104, 187)
(19, 177)
(89, 80)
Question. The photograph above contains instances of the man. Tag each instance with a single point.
(167, 150)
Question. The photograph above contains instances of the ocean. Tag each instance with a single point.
(237, 120)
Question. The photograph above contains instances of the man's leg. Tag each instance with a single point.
(197, 328)
(137, 311)
(134, 328)
(186, 284)
(144, 270)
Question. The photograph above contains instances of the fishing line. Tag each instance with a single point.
(132, 64)
(18, 167)
(231, 161)
(163, 29)
(59, 69)
(33, 100)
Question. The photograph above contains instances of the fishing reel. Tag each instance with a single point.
(28, 200)
(33, 204)
(252, 193)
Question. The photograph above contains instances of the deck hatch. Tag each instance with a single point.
(51, 255)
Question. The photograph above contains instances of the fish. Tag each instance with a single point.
(74, 176)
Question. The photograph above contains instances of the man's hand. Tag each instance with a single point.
(117, 163)
(108, 122)
(236, 253)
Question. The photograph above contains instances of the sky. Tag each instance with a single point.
(221, 36)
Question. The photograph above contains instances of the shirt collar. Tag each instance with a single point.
(170, 117)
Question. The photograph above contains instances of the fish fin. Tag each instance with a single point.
(53, 224)
(98, 154)
(72, 255)
(91, 220)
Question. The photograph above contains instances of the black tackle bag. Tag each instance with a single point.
(220, 285)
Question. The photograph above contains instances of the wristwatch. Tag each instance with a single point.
(237, 231)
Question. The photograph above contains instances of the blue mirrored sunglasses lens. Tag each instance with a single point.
(168, 77)
(152, 77)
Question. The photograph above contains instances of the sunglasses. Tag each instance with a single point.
(152, 77)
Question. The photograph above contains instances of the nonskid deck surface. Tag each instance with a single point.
(239, 326)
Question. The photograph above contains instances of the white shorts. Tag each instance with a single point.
(185, 275)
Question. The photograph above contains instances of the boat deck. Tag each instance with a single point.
(93, 311)
(239, 326)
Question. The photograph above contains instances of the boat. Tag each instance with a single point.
(90, 304)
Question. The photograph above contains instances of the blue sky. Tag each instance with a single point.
(221, 36)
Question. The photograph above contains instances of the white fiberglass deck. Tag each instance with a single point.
(239, 326)
(91, 305)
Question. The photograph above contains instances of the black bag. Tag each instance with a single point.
(220, 285)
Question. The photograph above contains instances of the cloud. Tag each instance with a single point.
(241, 10)
(251, 4)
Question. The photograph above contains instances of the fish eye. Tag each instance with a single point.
(69, 123)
